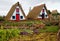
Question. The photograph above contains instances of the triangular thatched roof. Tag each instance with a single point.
(13, 9)
(33, 14)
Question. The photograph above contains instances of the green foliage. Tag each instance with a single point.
(28, 23)
(6, 34)
(48, 23)
(29, 31)
(50, 29)
(1, 18)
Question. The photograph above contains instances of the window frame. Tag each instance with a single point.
(13, 17)
(21, 17)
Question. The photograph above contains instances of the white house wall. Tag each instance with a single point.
(14, 14)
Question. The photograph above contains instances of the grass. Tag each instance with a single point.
(35, 37)
(29, 31)
(29, 22)
(50, 29)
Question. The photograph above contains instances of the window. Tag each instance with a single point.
(17, 9)
(13, 17)
(21, 17)
(46, 15)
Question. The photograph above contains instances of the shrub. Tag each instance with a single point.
(1, 18)
(48, 23)
(6, 34)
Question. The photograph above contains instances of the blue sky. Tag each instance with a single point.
(5, 5)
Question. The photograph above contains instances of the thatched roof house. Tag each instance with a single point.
(16, 13)
(55, 15)
(38, 12)
(54, 12)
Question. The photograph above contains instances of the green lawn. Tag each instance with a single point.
(50, 29)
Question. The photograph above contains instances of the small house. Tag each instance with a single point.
(55, 14)
(16, 13)
(38, 12)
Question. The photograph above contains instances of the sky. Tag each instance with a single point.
(5, 5)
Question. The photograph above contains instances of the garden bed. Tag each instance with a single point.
(43, 34)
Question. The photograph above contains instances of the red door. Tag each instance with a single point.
(17, 14)
(43, 16)
(17, 17)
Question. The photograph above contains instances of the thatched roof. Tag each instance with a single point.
(33, 14)
(54, 12)
(13, 9)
